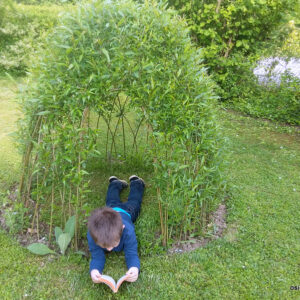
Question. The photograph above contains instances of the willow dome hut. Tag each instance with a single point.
(120, 83)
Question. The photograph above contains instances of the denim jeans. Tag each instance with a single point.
(133, 204)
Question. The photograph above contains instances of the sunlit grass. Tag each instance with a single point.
(9, 157)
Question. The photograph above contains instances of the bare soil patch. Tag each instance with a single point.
(28, 235)
(217, 225)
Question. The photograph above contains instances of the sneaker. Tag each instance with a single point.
(135, 177)
(113, 178)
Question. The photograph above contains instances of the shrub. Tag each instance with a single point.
(233, 36)
(21, 32)
(226, 29)
(108, 60)
(274, 101)
(291, 46)
(45, 2)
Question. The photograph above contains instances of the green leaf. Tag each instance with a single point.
(40, 249)
(42, 113)
(70, 226)
(58, 232)
(239, 44)
(183, 167)
(63, 242)
(92, 77)
(105, 52)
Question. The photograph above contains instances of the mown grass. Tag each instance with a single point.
(256, 259)
(9, 158)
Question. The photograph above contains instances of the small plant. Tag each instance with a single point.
(15, 216)
(63, 239)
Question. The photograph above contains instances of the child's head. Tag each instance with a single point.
(105, 226)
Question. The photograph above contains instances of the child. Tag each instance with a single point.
(111, 228)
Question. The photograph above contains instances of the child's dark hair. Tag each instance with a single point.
(105, 226)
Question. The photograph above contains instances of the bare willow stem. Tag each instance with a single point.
(51, 215)
(36, 210)
(203, 211)
(124, 139)
(184, 220)
(122, 114)
(25, 169)
(147, 138)
(127, 121)
(114, 135)
(218, 6)
(230, 45)
(78, 201)
(52, 188)
(162, 227)
(37, 201)
(26, 158)
(77, 205)
(108, 127)
(76, 218)
(107, 122)
(70, 197)
(166, 226)
(29, 182)
(107, 135)
(166, 236)
(34, 215)
(37, 225)
(137, 130)
(62, 197)
(88, 119)
(98, 119)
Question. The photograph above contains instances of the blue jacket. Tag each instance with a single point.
(128, 243)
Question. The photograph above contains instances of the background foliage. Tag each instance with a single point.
(275, 101)
(21, 32)
(234, 36)
(45, 2)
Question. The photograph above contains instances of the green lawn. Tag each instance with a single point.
(9, 158)
(258, 258)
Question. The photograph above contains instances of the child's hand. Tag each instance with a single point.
(132, 274)
(96, 276)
